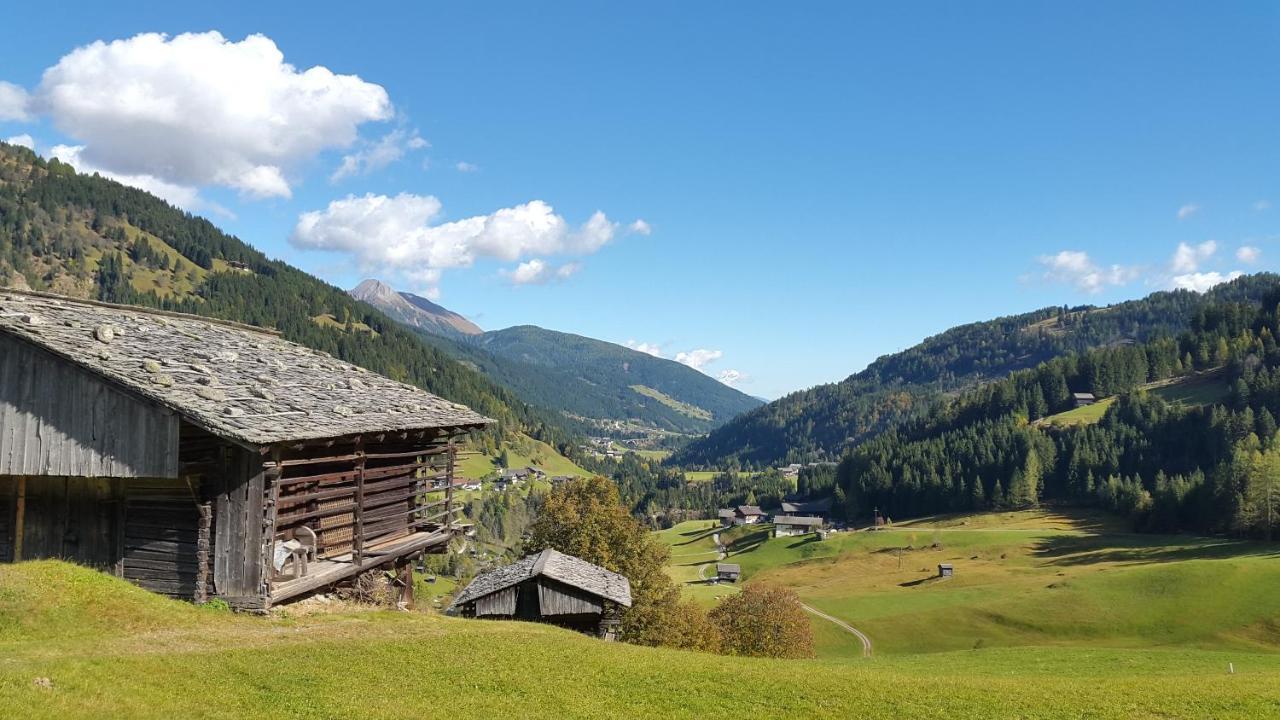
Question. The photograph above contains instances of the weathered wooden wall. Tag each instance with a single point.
(57, 419)
(159, 549)
(556, 598)
(238, 547)
(71, 519)
(8, 490)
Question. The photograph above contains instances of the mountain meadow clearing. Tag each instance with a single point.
(1048, 616)
(1036, 594)
(75, 643)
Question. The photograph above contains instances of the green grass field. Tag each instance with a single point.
(523, 452)
(102, 648)
(1200, 389)
(1033, 579)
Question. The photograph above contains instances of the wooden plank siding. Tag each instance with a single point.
(57, 419)
(160, 536)
(556, 598)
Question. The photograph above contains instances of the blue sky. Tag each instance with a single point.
(818, 183)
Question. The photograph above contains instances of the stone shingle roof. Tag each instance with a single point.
(807, 506)
(555, 565)
(793, 520)
(236, 381)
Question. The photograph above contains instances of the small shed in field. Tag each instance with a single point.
(945, 570)
(1082, 399)
(549, 587)
(728, 572)
(206, 459)
(727, 517)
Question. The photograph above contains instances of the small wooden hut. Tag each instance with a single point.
(728, 572)
(549, 587)
(205, 459)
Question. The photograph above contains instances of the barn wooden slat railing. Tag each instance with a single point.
(361, 496)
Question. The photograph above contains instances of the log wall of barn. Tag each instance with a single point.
(57, 419)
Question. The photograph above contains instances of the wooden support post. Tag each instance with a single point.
(448, 493)
(270, 514)
(203, 524)
(20, 519)
(357, 540)
(404, 575)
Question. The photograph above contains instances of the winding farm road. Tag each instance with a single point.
(866, 641)
(720, 555)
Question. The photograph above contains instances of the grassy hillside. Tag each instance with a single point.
(108, 649)
(817, 423)
(1032, 579)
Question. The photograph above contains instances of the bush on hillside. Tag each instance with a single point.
(763, 621)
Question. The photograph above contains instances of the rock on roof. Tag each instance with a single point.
(234, 380)
(555, 565)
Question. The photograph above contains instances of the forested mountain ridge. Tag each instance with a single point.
(88, 236)
(1210, 465)
(819, 423)
(599, 382)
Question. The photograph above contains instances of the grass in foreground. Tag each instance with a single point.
(111, 650)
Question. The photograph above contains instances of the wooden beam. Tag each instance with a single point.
(357, 539)
(21, 518)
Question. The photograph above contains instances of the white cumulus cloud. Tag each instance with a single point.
(1188, 210)
(644, 347)
(1075, 267)
(1248, 254)
(13, 102)
(378, 154)
(181, 195)
(402, 235)
(24, 140)
(696, 359)
(540, 272)
(1187, 258)
(197, 109)
(733, 378)
(1202, 281)
(466, 167)
(640, 227)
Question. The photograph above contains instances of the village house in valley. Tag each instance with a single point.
(741, 515)
(786, 525)
(204, 459)
(550, 587)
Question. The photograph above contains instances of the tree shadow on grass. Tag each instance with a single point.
(696, 535)
(1072, 550)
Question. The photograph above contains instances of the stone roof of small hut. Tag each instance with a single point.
(236, 381)
(555, 565)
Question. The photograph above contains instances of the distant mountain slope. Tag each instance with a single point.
(413, 310)
(584, 378)
(819, 422)
(91, 237)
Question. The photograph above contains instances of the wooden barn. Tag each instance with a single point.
(549, 587)
(204, 459)
(728, 572)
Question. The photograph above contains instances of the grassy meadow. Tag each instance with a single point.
(79, 644)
